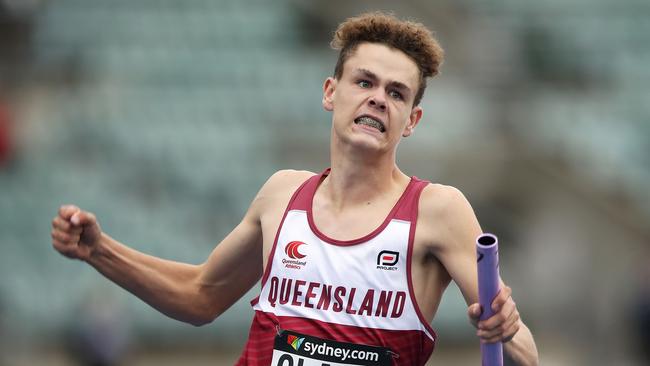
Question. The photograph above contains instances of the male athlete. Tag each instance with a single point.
(354, 260)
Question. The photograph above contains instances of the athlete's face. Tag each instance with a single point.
(372, 102)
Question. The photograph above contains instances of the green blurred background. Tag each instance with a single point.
(164, 118)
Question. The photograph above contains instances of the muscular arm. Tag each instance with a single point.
(454, 246)
(191, 293)
(196, 294)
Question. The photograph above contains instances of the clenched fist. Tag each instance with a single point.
(75, 233)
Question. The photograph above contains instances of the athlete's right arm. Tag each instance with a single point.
(196, 294)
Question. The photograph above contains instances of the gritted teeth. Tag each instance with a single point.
(369, 121)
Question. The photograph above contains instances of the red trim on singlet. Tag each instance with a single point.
(310, 193)
(303, 200)
(413, 217)
(405, 211)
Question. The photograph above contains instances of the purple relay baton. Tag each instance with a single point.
(487, 255)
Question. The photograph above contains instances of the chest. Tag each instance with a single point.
(380, 255)
(353, 222)
(360, 283)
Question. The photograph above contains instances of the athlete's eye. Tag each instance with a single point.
(395, 94)
(364, 84)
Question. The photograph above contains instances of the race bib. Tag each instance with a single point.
(295, 349)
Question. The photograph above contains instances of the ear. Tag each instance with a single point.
(328, 93)
(414, 119)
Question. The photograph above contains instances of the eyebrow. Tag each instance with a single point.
(395, 84)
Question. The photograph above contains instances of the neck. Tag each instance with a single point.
(361, 177)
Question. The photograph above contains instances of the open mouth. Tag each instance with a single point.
(369, 121)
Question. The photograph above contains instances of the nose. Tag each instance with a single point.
(377, 102)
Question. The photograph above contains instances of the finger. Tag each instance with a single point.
(63, 225)
(499, 318)
(64, 238)
(499, 332)
(502, 330)
(83, 218)
(505, 336)
(60, 224)
(511, 327)
(501, 298)
(508, 336)
(66, 211)
(65, 250)
(474, 312)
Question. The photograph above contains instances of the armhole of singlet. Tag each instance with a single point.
(414, 217)
(269, 261)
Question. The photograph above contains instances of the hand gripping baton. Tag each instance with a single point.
(487, 255)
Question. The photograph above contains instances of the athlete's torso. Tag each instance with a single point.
(358, 292)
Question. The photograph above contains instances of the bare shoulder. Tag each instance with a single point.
(286, 179)
(446, 216)
(440, 199)
(276, 192)
(280, 186)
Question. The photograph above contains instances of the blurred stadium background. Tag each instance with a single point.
(164, 118)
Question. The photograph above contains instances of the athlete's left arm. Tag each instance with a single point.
(456, 229)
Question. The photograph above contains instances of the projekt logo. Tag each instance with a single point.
(387, 260)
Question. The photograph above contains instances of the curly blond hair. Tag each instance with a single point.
(412, 38)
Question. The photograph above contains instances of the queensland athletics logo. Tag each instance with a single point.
(292, 250)
(294, 341)
(387, 260)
